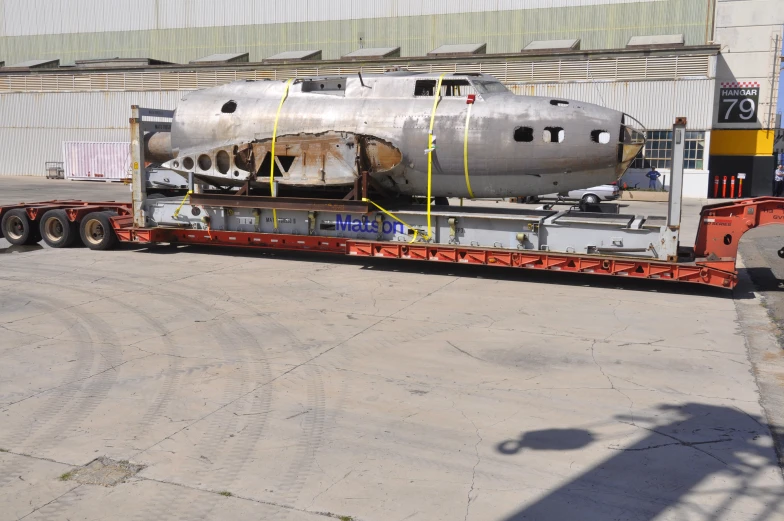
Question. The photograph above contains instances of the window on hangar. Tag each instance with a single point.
(657, 152)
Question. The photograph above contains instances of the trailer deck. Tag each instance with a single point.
(711, 261)
(633, 246)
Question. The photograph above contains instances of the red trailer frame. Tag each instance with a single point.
(712, 261)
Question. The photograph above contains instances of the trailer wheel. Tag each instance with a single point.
(590, 199)
(18, 229)
(97, 232)
(56, 230)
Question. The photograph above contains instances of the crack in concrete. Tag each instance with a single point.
(255, 389)
(685, 444)
(467, 353)
(114, 367)
(112, 297)
(39, 458)
(473, 470)
(235, 496)
(682, 442)
(294, 368)
(49, 503)
(329, 487)
(612, 384)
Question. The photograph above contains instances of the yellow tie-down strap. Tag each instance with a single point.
(177, 211)
(430, 150)
(465, 151)
(401, 221)
(272, 151)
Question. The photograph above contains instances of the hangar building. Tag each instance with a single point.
(73, 68)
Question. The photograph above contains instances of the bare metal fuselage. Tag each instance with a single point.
(516, 145)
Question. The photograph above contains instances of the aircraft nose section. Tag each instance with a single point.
(631, 141)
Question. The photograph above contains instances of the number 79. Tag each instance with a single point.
(746, 108)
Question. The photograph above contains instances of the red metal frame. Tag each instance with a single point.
(715, 252)
(542, 260)
(723, 224)
(74, 209)
(539, 260)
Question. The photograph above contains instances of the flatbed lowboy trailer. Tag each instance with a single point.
(632, 246)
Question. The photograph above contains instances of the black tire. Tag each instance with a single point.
(96, 231)
(18, 229)
(590, 199)
(56, 230)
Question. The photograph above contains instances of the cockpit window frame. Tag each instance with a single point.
(481, 86)
(448, 86)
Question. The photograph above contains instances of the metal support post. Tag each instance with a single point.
(138, 171)
(676, 178)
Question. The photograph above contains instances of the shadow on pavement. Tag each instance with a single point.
(450, 269)
(547, 439)
(764, 279)
(21, 249)
(663, 470)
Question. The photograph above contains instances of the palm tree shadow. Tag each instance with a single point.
(662, 471)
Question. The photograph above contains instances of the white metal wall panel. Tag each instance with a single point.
(654, 103)
(90, 160)
(34, 17)
(33, 127)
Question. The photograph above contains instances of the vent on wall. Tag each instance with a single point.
(653, 41)
(294, 56)
(553, 45)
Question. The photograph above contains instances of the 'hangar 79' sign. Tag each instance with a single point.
(738, 102)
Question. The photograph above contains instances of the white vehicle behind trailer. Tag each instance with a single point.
(593, 195)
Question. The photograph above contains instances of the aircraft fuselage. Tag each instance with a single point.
(514, 146)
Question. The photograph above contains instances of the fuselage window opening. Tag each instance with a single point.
(283, 162)
(600, 136)
(449, 88)
(559, 103)
(553, 135)
(329, 86)
(229, 107)
(523, 134)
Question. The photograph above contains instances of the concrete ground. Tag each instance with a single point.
(304, 387)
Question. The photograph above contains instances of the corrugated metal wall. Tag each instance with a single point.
(627, 68)
(182, 30)
(654, 103)
(33, 126)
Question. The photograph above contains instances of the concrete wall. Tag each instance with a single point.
(747, 34)
(695, 182)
